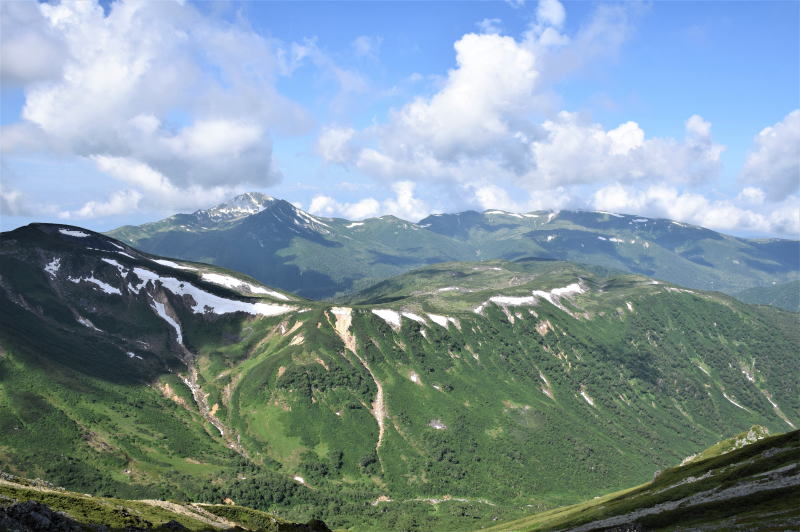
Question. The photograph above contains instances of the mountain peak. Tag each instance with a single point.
(242, 205)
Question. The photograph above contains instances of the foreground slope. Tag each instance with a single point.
(446, 398)
(36, 505)
(751, 486)
(316, 257)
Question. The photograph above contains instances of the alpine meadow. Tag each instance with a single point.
(386, 266)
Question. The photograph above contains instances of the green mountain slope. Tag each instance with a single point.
(32, 505)
(750, 487)
(283, 246)
(785, 296)
(446, 398)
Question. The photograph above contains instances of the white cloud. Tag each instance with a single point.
(490, 25)
(366, 46)
(163, 85)
(774, 162)
(122, 202)
(723, 215)
(334, 144)
(551, 13)
(403, 205)
(30, 51)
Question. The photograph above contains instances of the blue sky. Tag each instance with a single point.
(128, 112)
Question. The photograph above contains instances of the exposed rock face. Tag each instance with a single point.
(34, 516)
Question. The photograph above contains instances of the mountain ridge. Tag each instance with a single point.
(321, 257)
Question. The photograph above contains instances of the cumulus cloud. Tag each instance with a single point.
(157, 84)
(404, 205)
(366, 46)
(774, 162)
(30, 50)
(669, 202)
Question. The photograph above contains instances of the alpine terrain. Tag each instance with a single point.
(454, 396)
(285, 247)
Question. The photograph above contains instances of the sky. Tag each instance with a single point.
(125, 112)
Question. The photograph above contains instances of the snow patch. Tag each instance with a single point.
(629, 305)
(732, 401)
(206, 301)
(586, 397)
(448, 289)
(105, 287)
(415, 317)
(232, 282)
(389, 316)
(162, 311)
(170, 264)
(640, 220)
(437, 424)
(86, 323)
(602, 238)
(443, 320)
(550, 238)
(354, 224)
(611, 214)
(72, 232)
(53, 266)
(131, 354)
(414, 378)
(301, 480)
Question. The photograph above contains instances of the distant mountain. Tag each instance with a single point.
(316, 257)
(751, 485)
(445, 398)
(785, 295)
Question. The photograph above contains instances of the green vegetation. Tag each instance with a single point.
(115, 513)
(464, 411)
(785, 295)
(752, 487)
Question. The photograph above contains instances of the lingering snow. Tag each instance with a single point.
(116, 245)
(437, 424)
(117, 265)
(310, 219)
(448, 289)
(587, 398)
(679, 224)
(105, 287)
(162, 311)
(86, 323)
(206, 300)
(53, 266)
(530, 215)
(414, 378)
(232, 282)
(71, 232)
(640, 220)
(125, 254)
(610, 214)
(170, 264)
(354, 224)
(133, 355)
(301, 480)
(415, 317)
(617, 240)
(550, 238)
(629, 305)
(602, 238)
(732, 401)
(442, 320)
(391, 317)
(513, 301)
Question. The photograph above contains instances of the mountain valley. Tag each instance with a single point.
(451, 397)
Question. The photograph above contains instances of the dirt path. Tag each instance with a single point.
(344, 318)
(193, 512)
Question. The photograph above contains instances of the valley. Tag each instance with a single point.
(451, 397)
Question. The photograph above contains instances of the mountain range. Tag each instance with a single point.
(285, 247)
(451, 396)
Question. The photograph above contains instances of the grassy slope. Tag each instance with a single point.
(741, 475)
(785, 296)
(301, 403)
(120, 513)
